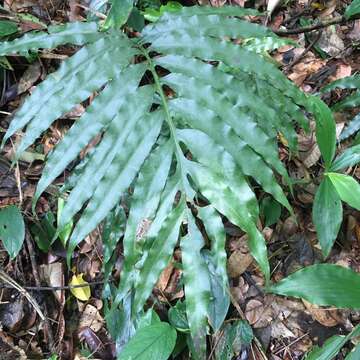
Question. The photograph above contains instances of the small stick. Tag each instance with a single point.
(37, 282)
(55, 288)
(13, 284)
(317, 26)
(307, 49)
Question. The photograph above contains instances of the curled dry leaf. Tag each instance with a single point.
(325, 317)
(91, 318)
(253, 311)
(238, 262)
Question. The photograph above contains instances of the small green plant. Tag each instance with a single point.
(189, 120)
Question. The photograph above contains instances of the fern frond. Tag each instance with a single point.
(77, 78)
(77, 33)
(213, 137)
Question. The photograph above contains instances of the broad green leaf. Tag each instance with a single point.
(119, 13)
(56, 96)
(177, 317)
(212, 10)
(250, 163)
(216, 233)
(235, 337)
(220, 299)
(327, 215)
(270, 210)
(216, 188)
(351, 128)
(12, 230)
(118, 177)
(268, 43)
(82, 293)
(353, 9)
(153, 15)
(150, 317)
(7, 28)
(113, 229)
(213, 25)
(325, 130)
(145, 201)
(154, 342)
(349, 82)
(108, 103)
(197, 285)
(348, 102)
(108, 151)
(158, 256)
(354, 354)
(44, 231)
(72, 33)
(322, 284)
(64, 234)
(347, 188)
(350, 157)
(332, 346)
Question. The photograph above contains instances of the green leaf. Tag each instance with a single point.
(237, 336)
(350, 157)
(158, 255)
(348, 102)
(349, 82)
(117, 177)
(90, 124)
(235, 205)
(332, 346)
(354, 354)
(220, 299)
(12, 230)
(76, 33)
(323, 284)
(144, 204)
(325, 130)
(197, 285)
(351, 128)
(154, 342)
(44, 232)
(353, 9)
(327, 215)
(347, 188)
(271, 210)
(177, 317)
(7, 28)
(119, 13)
(65, 232)
(108, 152)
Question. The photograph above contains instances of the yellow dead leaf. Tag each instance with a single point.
(81, 293)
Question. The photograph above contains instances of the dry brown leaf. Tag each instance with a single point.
(253, 311)
(91, 318)
(30, 76)
(325, 317)
(53, 275)
(342, 70)
(238, 262)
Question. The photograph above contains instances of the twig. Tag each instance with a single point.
(55, 288)
(35, 272)
(307, 49)
(317, 26)
(13, 284)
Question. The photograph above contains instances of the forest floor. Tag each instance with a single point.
(287, 328)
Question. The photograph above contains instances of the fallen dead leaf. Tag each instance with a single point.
(238, 262)
(91, 318)
(325, 317)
